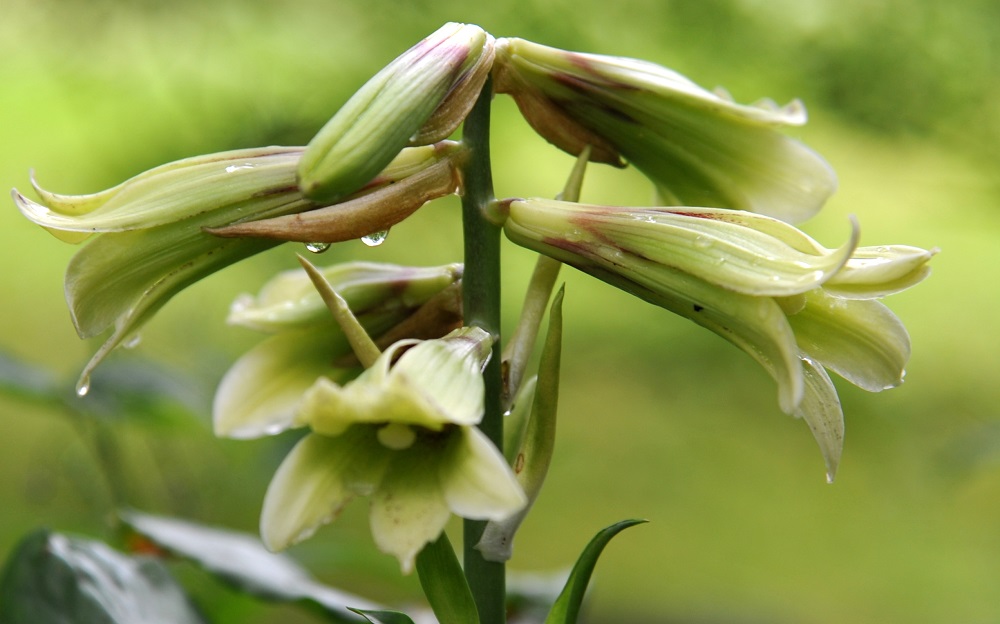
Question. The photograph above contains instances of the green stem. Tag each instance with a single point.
(481, 307)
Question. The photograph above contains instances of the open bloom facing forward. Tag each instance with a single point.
(151, 233)
(793, 305)
(698, 147)
(403, 433)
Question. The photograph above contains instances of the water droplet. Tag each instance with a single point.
(232, 168)
(83, 386)
(132, 341)
(317, 248)
(375, 238)
(702, 243)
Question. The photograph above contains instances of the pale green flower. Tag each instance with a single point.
(403, 433)
(262, 391)
(150, 236)
(794, 306)
(698, 147)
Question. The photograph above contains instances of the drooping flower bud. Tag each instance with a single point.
(150, 242)
(755, 281)
(435, 81)
(153, 235)
(697, 146)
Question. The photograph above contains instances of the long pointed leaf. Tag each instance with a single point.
(567, 606)
(384, 617)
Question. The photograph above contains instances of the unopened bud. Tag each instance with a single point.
(391, 108)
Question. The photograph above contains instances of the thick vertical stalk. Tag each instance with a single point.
(481, 301)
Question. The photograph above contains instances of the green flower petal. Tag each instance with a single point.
(874, 272)
(476, 480)
(261, 392)
(738, 250)
(171, 192)
(121, 279)
(698, 147)
(755, 324)
(820, 408)
(314, 482)
(860, 340)
(408, 509)
(434, 383)
(448, 372)
(290, 300)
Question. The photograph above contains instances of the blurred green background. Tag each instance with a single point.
(659, 419)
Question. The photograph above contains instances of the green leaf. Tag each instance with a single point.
(55, 579)
(384, 617)
(567, 606)
(240, 560)
(444, 583)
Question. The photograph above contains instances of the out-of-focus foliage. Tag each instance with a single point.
(53, 578)
(659, 419)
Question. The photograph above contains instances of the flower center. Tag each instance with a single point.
(396, 436)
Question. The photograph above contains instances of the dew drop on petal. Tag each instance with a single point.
(375, 238)
(317, 248)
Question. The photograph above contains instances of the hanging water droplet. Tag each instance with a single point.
(132, 341)
(83, 386)
(317, 248)
(375, 238)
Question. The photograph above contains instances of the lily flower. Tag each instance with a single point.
(261, 393)
(794, 306)
(151, 233)
(697, 146)
(402, 433)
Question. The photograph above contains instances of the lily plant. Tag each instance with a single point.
(400, 380)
